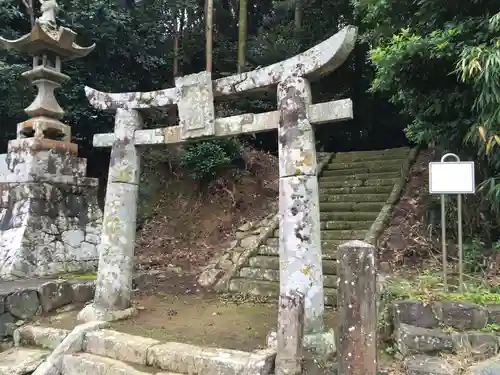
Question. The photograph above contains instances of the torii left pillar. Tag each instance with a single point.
(112, 299)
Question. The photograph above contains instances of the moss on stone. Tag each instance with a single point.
(84, 275)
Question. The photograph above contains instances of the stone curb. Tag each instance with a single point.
(44, 337)
(72, 343)
(110, 346)
(380, 222)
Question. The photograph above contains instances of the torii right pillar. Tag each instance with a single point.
(301, 268)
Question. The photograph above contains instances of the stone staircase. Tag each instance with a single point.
(354, 186)
(92, 349)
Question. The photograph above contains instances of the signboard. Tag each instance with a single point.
(453, 177)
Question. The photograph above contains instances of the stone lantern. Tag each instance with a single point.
(49, 217)
(49, 45)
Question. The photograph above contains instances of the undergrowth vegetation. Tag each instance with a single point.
(205, 160)
(439, 62)
(428, 286)
(206, 168)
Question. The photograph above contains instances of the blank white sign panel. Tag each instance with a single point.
(452, 178)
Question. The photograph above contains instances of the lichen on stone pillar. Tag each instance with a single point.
(300, 245)
(116, 251)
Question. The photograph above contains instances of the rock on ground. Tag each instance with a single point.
(488, 367)
(426, 365)
(21, 361)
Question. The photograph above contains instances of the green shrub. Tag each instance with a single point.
(206, 159)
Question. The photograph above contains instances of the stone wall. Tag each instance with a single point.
(48, 228)
(25, 300)
(422, 331)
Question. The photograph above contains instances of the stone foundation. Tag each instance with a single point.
(50, 220)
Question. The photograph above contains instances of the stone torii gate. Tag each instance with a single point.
(300, 245)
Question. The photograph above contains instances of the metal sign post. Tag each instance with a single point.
(452, 177)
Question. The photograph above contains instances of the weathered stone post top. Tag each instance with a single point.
(49, 45)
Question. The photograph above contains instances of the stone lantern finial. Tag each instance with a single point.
(49, 10)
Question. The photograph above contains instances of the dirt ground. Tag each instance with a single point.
(176, 309)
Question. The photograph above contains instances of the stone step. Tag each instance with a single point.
(342, 225)
(341, 182)
(347, 207)
(345, 235)
(353, 198)
(331, 246)
(348, 216)
(85, 363)
(371, 164)
(110, 347)
(274, 275)
(271, 289)
(326, 245)
(273, 263)
(274, 251)
(385, 189)
(346, 225)
(21, 361)
(378, 168)
(361, 176)
(373, 155)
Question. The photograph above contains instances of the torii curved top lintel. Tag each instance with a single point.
(323, 58)
(319, 60)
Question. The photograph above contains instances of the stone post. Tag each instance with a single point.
(116, 251)
(290, 334)
(357, 309)
(301, 266)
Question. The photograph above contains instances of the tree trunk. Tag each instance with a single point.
(209, 12)
(298, 16)
(177, 45)
(242, 36)
(30, 10)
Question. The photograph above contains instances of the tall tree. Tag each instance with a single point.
(209, 24)
(242, 36)
(297, 16)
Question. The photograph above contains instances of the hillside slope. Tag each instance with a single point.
(186, 225)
